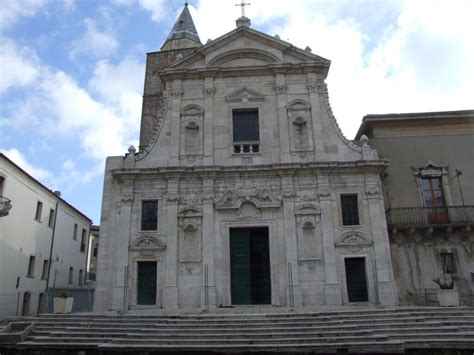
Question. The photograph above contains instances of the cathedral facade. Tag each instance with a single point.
(243, 190)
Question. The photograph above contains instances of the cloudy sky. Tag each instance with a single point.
(72, 71)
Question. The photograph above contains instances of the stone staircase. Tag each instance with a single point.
(356, 330)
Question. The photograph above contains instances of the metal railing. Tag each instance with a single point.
(5, 206)
(426, 216)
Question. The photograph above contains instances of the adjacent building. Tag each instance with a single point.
(93, 253)
(244, 189)
(43, 239)
(429, 194)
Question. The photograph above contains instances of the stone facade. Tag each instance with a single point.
(431, 156)
(288, 182)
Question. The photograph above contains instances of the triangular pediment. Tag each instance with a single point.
(246, 47)
(244, 94)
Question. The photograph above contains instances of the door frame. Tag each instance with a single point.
(226, 280)
(369, 275)
(133, 284)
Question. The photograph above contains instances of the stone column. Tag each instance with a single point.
(176, 94)
(290, 237)
(121, 242)
(208, 239)
(314, 86)
(208, 92)
(332, 289)
(170, 291)
(280, 89)
(385, 281)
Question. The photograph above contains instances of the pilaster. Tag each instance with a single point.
(175, 95)
(332, 288)
(291, 245)
(314, 87)
(387, 293)
(170, 291)
(209, 92)
(280, 90)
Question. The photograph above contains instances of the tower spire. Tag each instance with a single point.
(184, 33)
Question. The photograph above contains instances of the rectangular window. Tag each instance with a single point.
(80, 277)
(71, 275)
(31, 266)
(94, 252)
(350, 210)
(2, 183)
(433, 194)
(74, 233)
(51, 218)
(448, 263)
(246, 133)
(149, 215)
(44, 275)
(39, 209)
(83, 240)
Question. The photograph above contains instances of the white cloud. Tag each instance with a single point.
(94, 42)
(19, 159)
(12, 10)
(18, 65)
(156, 7)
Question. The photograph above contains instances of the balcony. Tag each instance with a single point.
(5, 206)
(430, 216)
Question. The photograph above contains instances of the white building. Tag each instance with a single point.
(244, 189)
(41, 236)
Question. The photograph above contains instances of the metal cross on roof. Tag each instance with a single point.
(242, 5)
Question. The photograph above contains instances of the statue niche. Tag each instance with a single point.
(191, 131)
(299, 121)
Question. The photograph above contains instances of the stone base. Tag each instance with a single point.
(62, 305)
(448, 298)
(211, 291)
(332, 294)
(170, 297)
(297, 296)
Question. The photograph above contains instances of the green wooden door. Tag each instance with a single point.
(146, 282)
(240, 266)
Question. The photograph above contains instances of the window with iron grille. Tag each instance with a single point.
(44, 274)
(74, 233)
(71, 275)
(51, 218)
(149, 215)
(350, 210)
(31, 266)
(449, 265)
(245, 128)
(83, 240)
(39, 209)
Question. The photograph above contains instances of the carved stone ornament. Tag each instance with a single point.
(127, 198)
(177, 94)
(307, 209)
(209, 92)
(324, 192)
(248, 210)
(148, 243)
(281, 89)
(233, 199)
(372, 191)
(244, 94)
(353, 240)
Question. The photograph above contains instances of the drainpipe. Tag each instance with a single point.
(51, 253)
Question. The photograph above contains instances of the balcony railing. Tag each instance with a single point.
(246, 147)
(5, 206)
(428, 216)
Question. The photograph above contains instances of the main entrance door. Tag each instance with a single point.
(146, 293)
(356, 279)
(250, 266)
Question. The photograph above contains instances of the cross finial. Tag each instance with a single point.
(242, 6)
